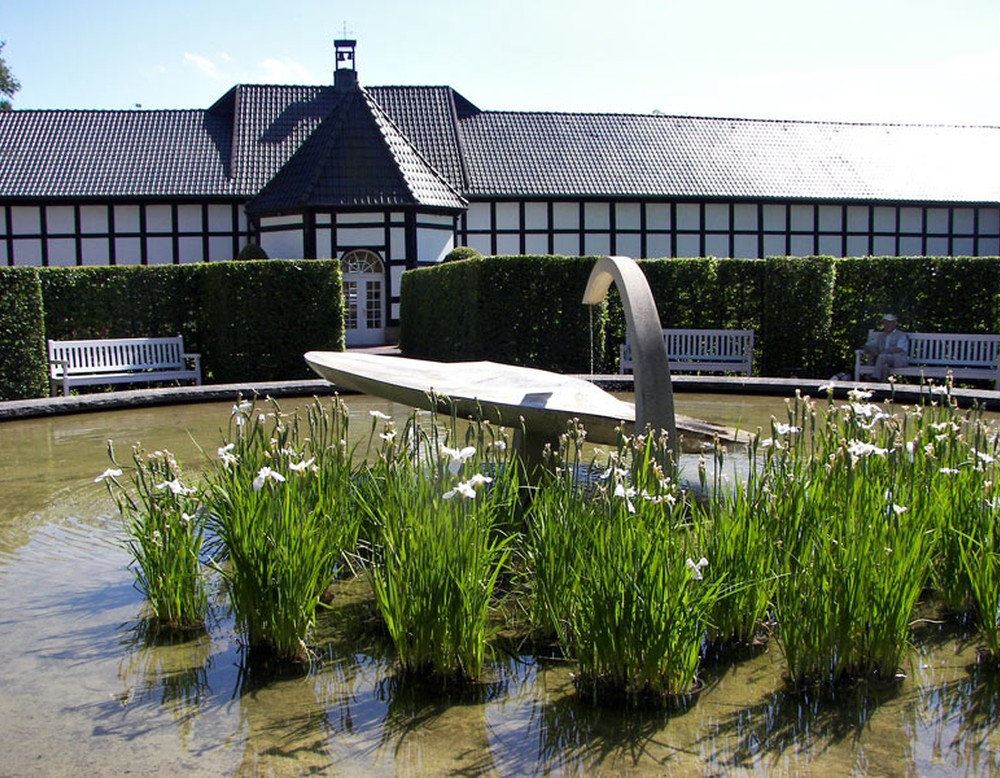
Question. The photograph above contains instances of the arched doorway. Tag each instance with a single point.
(364, 293)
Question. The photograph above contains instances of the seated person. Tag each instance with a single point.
(889, 348)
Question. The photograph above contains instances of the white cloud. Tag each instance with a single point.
(286, 71)
(203, 64)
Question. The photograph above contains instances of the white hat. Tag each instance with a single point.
(889, 317)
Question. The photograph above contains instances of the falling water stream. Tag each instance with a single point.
(84, 692)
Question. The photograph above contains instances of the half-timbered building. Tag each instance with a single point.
(391, 178)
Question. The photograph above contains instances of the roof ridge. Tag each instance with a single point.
(744, 119)
(236, 144)
(286, 86)
(463, 163)
(128, 111)
(408, 86)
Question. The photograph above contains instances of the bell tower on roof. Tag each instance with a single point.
(345, 75)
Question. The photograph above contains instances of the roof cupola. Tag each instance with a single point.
(345, 76)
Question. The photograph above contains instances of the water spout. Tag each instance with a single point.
(654, 395)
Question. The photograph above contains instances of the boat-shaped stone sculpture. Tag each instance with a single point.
(541, 402)
(537, 404)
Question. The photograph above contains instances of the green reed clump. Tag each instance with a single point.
(560, 509)
(981, 560)
(280, 502)
(440, 517)
(164, 526)
(742, 553)
(626, 599)
(961, 450)
(958, 450)
(855, 546)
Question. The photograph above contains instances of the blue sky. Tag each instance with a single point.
(851, 60)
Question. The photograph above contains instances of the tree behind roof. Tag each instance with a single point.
(8, 84)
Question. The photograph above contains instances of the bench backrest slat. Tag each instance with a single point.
(716, 345)
(703, 350)
(943, 348)
(116, 355)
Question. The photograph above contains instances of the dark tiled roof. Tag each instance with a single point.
(268, 125)
(432, 135)
(552, 154)
(356, 157)
(83, 154)
(427, 116)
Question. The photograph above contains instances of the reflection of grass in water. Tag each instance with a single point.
(166, 667)
(416, 707)
(969, 709)
(789, 725)
(572, 735)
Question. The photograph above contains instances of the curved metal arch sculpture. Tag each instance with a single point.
(654, 394)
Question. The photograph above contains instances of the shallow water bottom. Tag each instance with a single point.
(84, 692)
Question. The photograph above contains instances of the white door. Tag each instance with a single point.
(364, 293)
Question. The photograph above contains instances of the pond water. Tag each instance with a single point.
(84, 692)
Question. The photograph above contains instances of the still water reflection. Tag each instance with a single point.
(83, 691)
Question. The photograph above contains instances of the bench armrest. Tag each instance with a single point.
(860, 360)
(196, 363)
(64, 364)
(624, 358)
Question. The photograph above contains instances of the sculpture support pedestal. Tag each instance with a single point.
(530, 448)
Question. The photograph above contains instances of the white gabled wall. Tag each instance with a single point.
(67, 234)
(161, 233)
(729, 229)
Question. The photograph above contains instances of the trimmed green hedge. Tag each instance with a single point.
(259, 317)
(23, 359)
(795, 313)
(121, 302)
(518, 310)
(442, 316)
(250, 320)
(808, 313)
(253, 320)
(928, 294)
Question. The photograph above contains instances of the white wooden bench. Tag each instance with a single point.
(936, 354)
(702, 351)
(120, 361)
